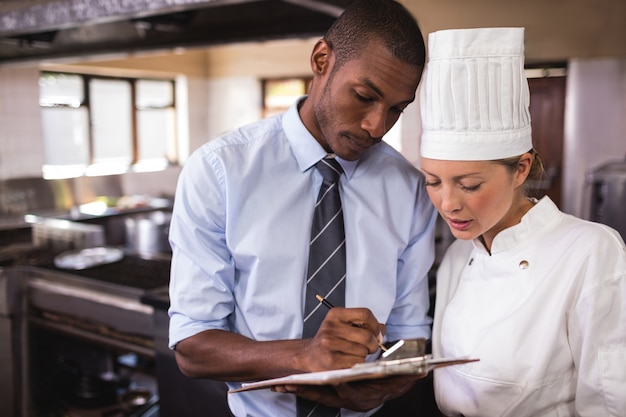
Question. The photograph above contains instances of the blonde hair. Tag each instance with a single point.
(536, 174)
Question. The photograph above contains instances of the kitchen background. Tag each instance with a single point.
(223, 87)
(112, 319)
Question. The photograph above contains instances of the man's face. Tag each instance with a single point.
(363, 99)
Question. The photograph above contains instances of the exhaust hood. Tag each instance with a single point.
(38, 29)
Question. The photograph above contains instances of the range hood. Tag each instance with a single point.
(38, 29)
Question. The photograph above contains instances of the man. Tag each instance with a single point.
(242, 223)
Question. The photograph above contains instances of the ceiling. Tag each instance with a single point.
(35, 29)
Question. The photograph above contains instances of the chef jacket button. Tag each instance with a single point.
(523, 264)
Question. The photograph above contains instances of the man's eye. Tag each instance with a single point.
(363, 98)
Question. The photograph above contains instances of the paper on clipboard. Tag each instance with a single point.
(363, 371)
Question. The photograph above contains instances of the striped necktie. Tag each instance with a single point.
(327, 265)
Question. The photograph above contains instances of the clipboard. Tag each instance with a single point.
(360, 372)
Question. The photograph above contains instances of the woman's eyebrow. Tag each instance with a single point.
(468, 174)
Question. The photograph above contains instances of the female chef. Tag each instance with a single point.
(539, 296)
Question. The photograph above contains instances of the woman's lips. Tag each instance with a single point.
(459, 224)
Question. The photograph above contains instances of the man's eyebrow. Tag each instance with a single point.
(373, 86)
(377, 90)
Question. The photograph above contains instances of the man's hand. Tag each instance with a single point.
(345, 338)
(357, 396)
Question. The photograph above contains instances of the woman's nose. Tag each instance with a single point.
(449, 200)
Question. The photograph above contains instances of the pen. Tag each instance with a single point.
(329, 305)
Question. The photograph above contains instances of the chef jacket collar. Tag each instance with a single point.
(537, 220)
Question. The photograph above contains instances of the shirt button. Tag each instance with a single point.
(471, 261)
(523, 265)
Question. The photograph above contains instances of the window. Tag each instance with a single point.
(99, 125)
(279, 94)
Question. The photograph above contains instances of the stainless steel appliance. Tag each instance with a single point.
(10, 342)
(179, 395)
(88, 337)
(66, 234)
(75, 341)
(607, 202)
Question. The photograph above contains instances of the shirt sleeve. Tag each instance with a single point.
(413, 298)
(202, 272)
(598, 338)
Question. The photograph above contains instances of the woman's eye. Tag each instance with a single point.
(470, 187)
(431, 183)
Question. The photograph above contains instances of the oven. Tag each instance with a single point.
(80, 342)
(10, 346)
(93, 342)
(608, 195)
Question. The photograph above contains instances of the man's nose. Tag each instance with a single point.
(375, 123)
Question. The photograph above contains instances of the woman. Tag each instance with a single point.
(539, 296)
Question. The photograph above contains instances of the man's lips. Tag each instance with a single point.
(359, 143)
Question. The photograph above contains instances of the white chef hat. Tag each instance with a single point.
(474, 96)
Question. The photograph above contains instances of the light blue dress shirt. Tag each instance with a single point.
(240, 237)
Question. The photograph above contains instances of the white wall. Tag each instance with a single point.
(595, 125)
(232, 102)
(21, 145)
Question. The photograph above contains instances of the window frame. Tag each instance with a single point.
(173, 158)
(265, 94)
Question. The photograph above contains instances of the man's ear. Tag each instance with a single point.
(320, 57)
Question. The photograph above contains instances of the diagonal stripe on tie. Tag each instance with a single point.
(313, 409)
(326, 270)
(326, 295)
(326, 274)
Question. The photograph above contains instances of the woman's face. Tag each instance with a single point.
(476, 198)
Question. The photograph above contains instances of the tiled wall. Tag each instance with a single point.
(21, 146)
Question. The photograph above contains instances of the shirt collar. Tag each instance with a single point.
(306, 149)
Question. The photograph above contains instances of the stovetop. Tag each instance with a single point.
(131, 271)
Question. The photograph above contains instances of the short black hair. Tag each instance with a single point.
(385, 20)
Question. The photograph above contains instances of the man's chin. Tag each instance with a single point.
(350, 153)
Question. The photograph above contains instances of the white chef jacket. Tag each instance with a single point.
(546, 315)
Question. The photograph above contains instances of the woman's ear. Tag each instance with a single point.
(523, 168)
(320, 57)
